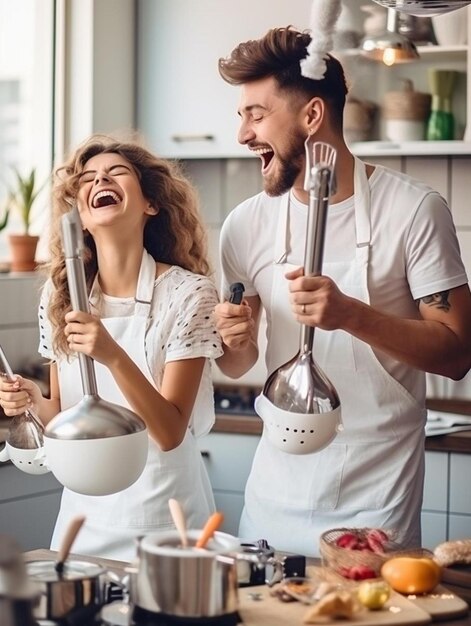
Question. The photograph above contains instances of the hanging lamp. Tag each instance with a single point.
(390, 47)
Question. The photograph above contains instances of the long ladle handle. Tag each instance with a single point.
(315, 236)
(68, 539)
(11, 378)
(72, 238)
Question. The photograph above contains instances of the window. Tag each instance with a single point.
(26, 105)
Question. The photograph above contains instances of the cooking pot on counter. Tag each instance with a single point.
(78, 590)
(188, 582)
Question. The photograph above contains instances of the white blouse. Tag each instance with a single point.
(180, 327)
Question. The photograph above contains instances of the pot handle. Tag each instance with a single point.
(260, 560)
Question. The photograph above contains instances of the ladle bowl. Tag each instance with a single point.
(24, 445)
(30, 461)
(95, 447)
(95, 466)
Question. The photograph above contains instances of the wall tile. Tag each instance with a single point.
(208, 177)
(460, 191)
(431, 170)
(242, 180)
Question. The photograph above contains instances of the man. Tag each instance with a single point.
(392, 303)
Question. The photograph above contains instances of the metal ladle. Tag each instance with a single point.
(299, 405)
(94, 447)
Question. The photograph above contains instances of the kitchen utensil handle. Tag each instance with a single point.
(237, 293)
(213, 523)
(71, 533)
(72, 238)
(11, 378)
(178, 517)
(315, 236)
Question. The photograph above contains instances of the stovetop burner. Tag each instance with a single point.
(120, 614)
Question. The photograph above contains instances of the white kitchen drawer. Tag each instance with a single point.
(228, 458)
(459, 527)
(460, 492)
(15, 484)
(434, 529)
(436, 481)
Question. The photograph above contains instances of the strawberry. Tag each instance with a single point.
(347, 540)
(376, 540)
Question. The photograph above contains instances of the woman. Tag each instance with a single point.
(149, 330)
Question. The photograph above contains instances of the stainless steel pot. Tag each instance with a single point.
(79, 588)
(185, 582)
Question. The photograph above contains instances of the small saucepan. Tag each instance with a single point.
(78, 589)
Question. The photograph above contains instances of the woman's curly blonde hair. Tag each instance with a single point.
(175, 235)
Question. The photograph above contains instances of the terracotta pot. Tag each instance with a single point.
(23, 252)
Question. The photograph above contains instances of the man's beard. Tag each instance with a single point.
(290, 166)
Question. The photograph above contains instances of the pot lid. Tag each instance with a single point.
(45, 571)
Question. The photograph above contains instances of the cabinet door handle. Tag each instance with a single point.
(189, 137)
(205, 454)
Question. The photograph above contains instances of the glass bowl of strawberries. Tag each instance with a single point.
(356, 553)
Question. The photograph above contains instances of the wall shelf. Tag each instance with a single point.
(411, 148)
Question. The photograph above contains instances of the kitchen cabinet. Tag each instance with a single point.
(29, 506)
(228, 459)
(446, 509)
(186, 110)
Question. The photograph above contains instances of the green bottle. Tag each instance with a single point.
(441, 123)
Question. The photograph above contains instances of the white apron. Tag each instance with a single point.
(372, 474)
(114, 522)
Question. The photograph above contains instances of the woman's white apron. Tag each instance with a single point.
(114, 522)
(372, 474)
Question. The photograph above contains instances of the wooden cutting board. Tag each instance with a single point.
(441, 604)
(269, 611)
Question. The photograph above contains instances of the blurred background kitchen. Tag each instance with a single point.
(72, 67)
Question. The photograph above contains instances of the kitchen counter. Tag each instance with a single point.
(118, 567)
(456, 442)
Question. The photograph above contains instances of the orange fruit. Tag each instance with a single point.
(408, 574)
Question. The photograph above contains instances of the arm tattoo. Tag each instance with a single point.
(437, 300)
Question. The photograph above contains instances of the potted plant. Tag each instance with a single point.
(21, 198)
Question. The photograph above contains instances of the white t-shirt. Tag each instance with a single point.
(414, 248)
(181, 327)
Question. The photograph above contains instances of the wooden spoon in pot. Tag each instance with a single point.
(179, 520)
(213, 523)
(68, 539)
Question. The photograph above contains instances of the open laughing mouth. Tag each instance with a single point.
(106, 197)
(266, 155)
